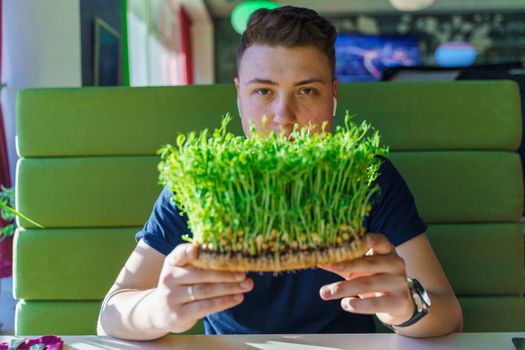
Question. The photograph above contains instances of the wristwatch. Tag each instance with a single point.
(421, 301)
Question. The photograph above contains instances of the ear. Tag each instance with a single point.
(335, 85)
(236, 82)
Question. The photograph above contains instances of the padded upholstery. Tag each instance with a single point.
(88, 173)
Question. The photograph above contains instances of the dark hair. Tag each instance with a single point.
(289, 26)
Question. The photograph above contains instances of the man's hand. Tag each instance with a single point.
(374, 284)
(187, 294)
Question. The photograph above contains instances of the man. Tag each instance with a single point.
(285, 71)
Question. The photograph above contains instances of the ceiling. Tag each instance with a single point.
(223, 8)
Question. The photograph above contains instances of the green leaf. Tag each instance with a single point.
(13, 211)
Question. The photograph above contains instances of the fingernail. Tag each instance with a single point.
(240, 276)
(237, 297)
(245, 285)
(189, 251)
(346, 306)
(326, 292)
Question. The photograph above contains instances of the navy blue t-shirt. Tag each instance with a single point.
(290, 302)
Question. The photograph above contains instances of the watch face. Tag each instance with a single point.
(420, 305)
(422, 293)
(426, 299)
(420, 298)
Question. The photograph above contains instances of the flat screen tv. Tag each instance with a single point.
(363, 57)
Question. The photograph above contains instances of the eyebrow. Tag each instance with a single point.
(261, 81)
(271, 82)
(310, 81)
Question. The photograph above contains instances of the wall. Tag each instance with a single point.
(154, 42)
(41, 48)
(498, 37)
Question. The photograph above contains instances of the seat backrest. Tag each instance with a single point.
(88, 173)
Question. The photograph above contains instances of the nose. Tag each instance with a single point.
(283, 113)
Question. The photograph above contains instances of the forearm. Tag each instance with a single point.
(130, 314)
(444, 317)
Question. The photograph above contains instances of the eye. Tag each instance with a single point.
(262, 92)
(308, 91)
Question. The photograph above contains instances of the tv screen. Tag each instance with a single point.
(363, 57)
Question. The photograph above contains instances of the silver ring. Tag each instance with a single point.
(190, 293)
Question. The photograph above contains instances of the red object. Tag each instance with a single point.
(6, 246)
(6, 257)
(50, 342)
(185, 45)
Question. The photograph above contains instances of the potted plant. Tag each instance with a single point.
(7, 203)
(274, 202)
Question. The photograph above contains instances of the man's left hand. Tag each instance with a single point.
(374, 284)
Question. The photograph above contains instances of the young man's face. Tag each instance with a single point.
(287, 85)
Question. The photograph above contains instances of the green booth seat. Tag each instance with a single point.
(88, 173)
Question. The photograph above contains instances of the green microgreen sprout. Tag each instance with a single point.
(273, 193)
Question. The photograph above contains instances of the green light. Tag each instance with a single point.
(241, 13)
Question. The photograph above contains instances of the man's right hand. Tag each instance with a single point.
(213, 291)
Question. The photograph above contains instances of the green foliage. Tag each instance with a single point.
(272, 193)
(7, 199)
(7, 202)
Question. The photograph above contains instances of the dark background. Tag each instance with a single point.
(110, 12)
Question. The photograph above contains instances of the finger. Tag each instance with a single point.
(392, 264)
(390, 304)
(381, 283)
(200, 309)
(379, 243)
(192, 275)
(182, 254)
(211, 290)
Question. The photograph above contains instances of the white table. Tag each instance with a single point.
(493, 341)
